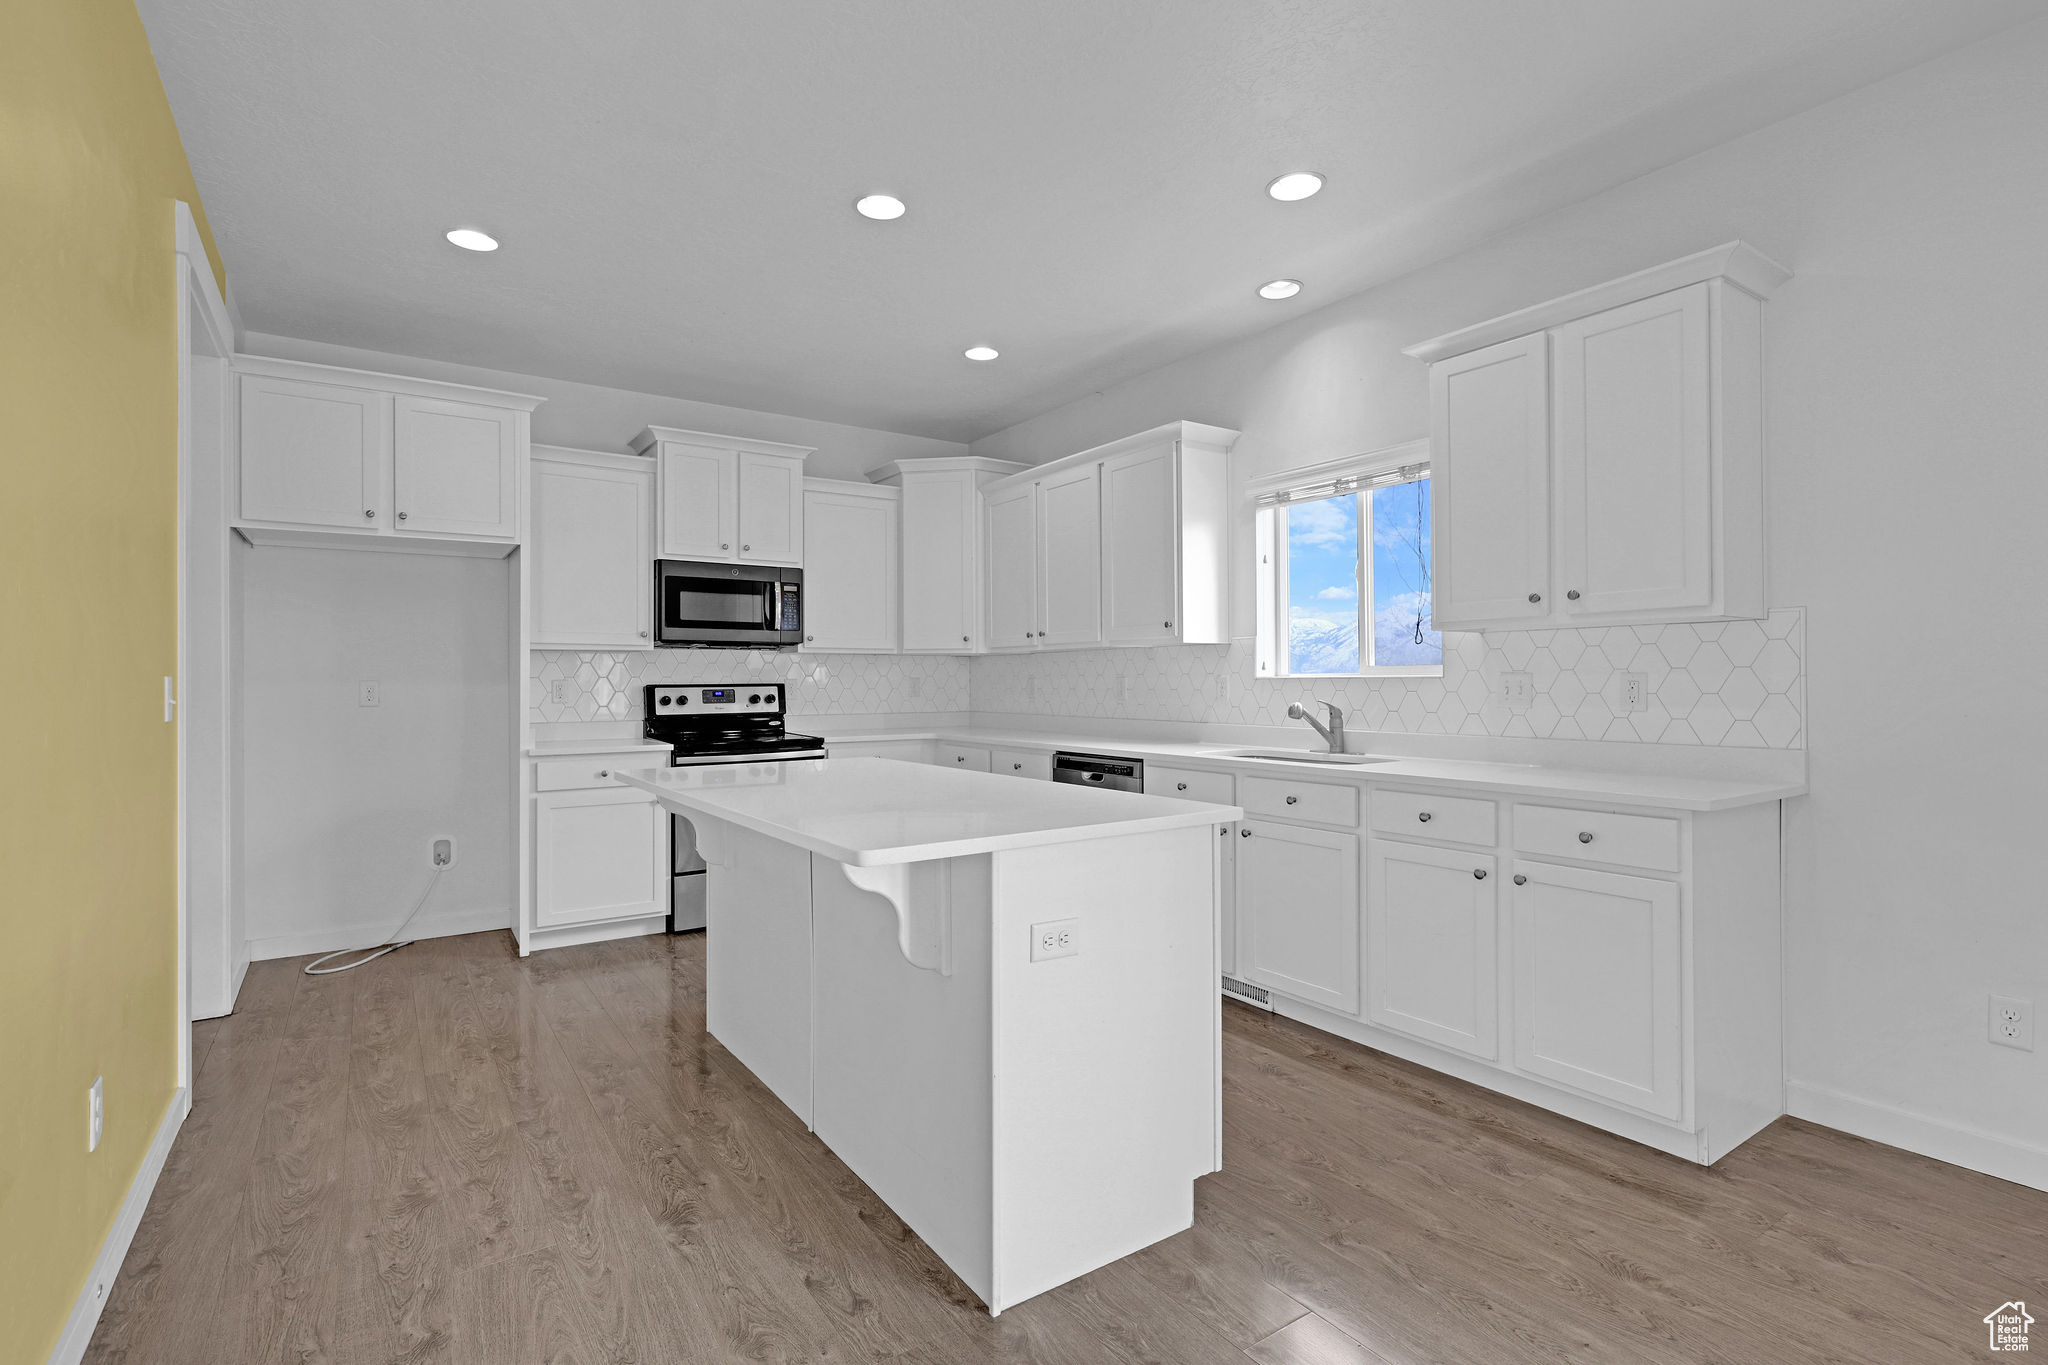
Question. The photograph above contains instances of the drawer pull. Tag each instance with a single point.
(1246, 833)
(1017, 767)
(604, 772)
(1585, 836)
(1423, 817)
(1479, 873)
(1293, 800)
(1180, 786)
(1535, 597)
(1520, 880)
(959, 758)
(1573, 595)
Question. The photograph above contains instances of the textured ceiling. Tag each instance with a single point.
(672, 181)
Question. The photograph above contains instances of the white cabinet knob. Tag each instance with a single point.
(745, 548)
(604, 772)
(1535, 597)
(724, 545)
(401, 516)
(1521, 880)
(370, 513)
(1180, 786)
(1017, 767)
(1423, 817)
(1293, 800)
(643, 634)
(1585, 836)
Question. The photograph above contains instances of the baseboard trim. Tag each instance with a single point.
(92, 1297)
(328, 940)
(1958, 1144)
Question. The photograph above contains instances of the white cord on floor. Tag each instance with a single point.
(390, 945)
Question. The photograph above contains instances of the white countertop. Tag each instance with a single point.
(570, 748)
(1668, 791)
(869, 811)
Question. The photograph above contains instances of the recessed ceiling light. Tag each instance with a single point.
(1295, 185)
(881, 207)
(1279, 289)
(981, 353)
(469, 239)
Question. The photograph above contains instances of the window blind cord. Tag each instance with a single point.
(390, 945)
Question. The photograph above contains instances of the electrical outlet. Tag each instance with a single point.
(2012, 1022)
(95, 1113)
(1517, 690)
(1635, 691)
(1055, 938)
(369, 694)
(1127, 691)
(916, 687)
(443, 852)
(558, 692)
(1030, 689)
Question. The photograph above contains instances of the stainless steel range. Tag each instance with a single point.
(715, 723)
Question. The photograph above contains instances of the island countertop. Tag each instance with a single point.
(870, 812)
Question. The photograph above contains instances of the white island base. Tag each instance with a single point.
(1031, 1120)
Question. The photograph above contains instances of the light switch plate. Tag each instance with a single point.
(1517, 690)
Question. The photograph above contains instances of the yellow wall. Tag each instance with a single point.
(90, 163)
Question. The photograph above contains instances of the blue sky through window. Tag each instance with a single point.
(1323, 606)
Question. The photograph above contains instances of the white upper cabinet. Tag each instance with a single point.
(1013, 568)
(851, 537)
(1599, 459)
(726, 497)
(1130, 544)
(1070, 557)
(313, 454)
(1490, 464)
(592, 546)
(327, 449)
(455, 468)
(771, 508)
(942, 549)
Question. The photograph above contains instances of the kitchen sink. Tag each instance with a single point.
(1303, 756)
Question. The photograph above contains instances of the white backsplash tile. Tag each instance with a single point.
(608, 686)
(1736, 684)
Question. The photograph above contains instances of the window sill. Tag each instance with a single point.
(1389, 671)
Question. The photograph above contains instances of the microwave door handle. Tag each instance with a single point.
(774, 605)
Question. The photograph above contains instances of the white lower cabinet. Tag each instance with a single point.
(1192, 784)
(599, 853)
(1297, 901)
(1432, 967)
(1020, 763)
(964, 756)
(902, 750)
(1598, 993)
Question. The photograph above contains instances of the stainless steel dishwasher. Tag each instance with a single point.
(1100, 770)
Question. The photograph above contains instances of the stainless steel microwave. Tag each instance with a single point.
(727, 605)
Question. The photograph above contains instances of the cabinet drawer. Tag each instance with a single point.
(1189, 785)
(963, 756)
(1645, 841)
(568, 774)
(1019, 763)
(1433, 815)
(1316, 802)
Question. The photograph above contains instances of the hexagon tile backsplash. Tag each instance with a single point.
(1736, 683)
(607, 686)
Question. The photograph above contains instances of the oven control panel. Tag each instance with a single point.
(730, 699)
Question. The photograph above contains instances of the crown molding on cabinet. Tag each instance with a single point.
(1192, 433)
(981, 465)
(385, 383)
(1739, 263)
(645, 442)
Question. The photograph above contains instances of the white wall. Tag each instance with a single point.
(1908, 397)
(589, 417)
(340, 801)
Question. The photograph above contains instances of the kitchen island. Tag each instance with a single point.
(996, 1001)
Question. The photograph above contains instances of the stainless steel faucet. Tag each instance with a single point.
(1333, 733)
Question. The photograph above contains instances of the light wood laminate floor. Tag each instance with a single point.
(456, 1155)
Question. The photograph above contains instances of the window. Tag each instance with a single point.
(1344, 571)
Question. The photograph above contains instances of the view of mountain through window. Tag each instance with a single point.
(1349, 610)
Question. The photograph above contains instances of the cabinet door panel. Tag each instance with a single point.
(310, 453)
(1490, 467)
(850, 543)
(1634, 453)
(1070, 557)
(700, 500)
(967, 756)
(592, 557)
(1597, 985)
(1141, 553)
(598, 855)
(1013, 568)
(940, 573)
(1430, 956)
(455, 469)
(771, 508)
(1297, 910)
